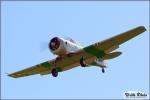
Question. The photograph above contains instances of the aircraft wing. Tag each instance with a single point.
(99, 49)
(121, 38)
(37, 69)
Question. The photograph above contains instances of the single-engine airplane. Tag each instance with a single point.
(71, 55)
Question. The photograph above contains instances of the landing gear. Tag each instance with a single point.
(103, 70)
(54, 72)
(82, 62)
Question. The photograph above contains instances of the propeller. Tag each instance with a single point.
(44, 46)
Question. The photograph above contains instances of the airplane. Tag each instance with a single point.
(71, 54)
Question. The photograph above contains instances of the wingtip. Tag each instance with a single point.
(142, 28)
(8, 74)
(11, 75)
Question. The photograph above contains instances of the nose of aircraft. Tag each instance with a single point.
(54, 43)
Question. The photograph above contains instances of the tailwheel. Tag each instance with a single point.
(82, 62)
(103, 70)
(54, 72)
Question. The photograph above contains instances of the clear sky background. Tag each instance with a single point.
(25, 25)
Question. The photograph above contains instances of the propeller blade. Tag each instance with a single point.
(44, 46)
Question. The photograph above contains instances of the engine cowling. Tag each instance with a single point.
(60, 46)
(56, 46)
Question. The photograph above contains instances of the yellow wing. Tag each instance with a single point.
(121, 38)
(99, 49)
(37, 69)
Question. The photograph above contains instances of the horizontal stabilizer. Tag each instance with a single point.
(112, 55)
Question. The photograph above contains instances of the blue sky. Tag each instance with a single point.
(25, 25)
